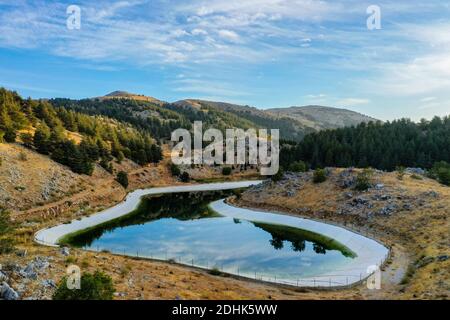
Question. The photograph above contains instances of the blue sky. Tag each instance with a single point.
(264, 53)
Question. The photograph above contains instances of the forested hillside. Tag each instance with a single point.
(245, 116)
(147, 116)
(379, 145)
(45, 128)
(160, 118)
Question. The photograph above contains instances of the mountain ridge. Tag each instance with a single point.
(161, 118)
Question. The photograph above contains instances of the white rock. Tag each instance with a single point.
(8, 293)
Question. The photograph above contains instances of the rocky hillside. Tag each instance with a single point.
(28, 179)
(319, 117)
(410, 214)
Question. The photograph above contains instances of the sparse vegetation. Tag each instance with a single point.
(400, 172)
(226, 171)
(298, 166)
(185, 177)
(175, 170)
(23, 156)
(215, 272)
(441, 172)
(278, 176)
(122, 178)
(364, 180)
(97, 286)
(6, 227)
(319, 176)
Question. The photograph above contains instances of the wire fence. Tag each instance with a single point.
(326, 280)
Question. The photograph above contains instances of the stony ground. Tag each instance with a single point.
(409, 214)
(32, 271)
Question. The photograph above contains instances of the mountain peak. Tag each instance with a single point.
(120, 94)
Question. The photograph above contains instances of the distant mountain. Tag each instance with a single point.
(160, 118)
(320, 117)
(127, 95)
(289, 128)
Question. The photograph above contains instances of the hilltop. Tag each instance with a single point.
(149, 112)
(320, 117)
(126, 95)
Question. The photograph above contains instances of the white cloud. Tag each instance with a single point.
(423, 75)
(427, 99)
(352, 102)
(229, 35)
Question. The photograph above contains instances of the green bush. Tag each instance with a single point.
(364, 180)
(279, 175)
(6, 245)
(122, 178)
(400, 172)
(319, 176)
(185, 177)
(97, 286)
(27, 139)
(226, 171)
(298, 166)
(174, 170)
(441, 172)
(6, 226)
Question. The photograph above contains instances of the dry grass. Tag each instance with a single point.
(413, 234)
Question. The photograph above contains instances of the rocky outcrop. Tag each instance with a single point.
(8, 293)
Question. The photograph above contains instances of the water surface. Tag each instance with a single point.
(180, 227)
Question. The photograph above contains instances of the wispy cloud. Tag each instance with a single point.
(322, 39)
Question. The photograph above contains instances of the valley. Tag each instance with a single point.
(61, 159)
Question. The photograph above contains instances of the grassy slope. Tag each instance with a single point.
(415, 234)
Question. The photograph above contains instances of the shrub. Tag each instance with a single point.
(6, 245)
(10, 136)
(6, 226)
(27, 139)
(298, 166)
(279, 175)
(122, 178)
(174, 170)
(364, 180)
(215, 272)
(23, 156)
(441, 172)
(106, 164)
(319, 176)
(226, 171)
(185, 177)
(97, 286)
(400, 172)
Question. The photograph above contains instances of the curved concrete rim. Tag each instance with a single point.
(370, 253)
(51, 236)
